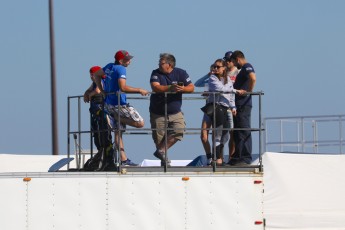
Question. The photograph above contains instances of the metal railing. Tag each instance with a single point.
(310, 134)
(77, 133)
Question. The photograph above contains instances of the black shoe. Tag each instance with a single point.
(106, 163)
(110, 167)
(168, 163)
(159, 155)
(242, 163)
(233, 162)
(162, 158)
(93, 163)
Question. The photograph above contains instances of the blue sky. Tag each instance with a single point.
(296, 48)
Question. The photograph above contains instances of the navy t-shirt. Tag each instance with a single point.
(242, 82)
(174, 101)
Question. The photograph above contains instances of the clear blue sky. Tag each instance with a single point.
(296, 47)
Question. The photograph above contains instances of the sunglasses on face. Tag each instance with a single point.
(217, 66)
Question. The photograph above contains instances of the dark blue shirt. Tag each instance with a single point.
(174, 101)
(242, 82)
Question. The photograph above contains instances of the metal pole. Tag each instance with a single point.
(166, 130)
(68, 129)
(79, 135)
(55, 146)
(260, 133)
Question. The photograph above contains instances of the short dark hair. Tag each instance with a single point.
(237, 54)
(169, 58)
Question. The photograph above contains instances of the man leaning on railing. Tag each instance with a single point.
(116, 105)
(165, 108)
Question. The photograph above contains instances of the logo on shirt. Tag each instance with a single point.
(233, 78)
(188, 80)
(249, 69)
(154, 77)
(108, 72)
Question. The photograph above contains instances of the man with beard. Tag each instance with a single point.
(245, 80)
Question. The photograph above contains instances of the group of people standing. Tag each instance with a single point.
(168, 83)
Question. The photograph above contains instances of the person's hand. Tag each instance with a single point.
(205, 94)
(143, 92)
(86, 98)
(234, 112)
(241, 92)
(179, 88)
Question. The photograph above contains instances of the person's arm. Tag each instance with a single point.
(252, 81)
(87, 93)
(129, 89)
(184, 89)
(94, 92)
(158, 88)
(98, 80)
(215, 85)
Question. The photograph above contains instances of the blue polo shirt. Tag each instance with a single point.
(113, 73)
(174, 101)
(242, 82)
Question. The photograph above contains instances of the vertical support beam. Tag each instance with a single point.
(55, 145)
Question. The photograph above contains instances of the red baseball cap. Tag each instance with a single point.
(122, 54)
(94, 69)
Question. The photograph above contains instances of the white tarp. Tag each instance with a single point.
(42, 163)
(28, 163)
(304, 191)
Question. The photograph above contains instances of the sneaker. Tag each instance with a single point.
(161, 156)
(128, 162)
(209, 161)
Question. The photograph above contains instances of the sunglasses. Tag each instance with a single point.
(217, 67)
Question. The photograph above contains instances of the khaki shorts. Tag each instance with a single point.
(175, 122)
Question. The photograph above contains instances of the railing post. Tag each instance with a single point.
(68, 130)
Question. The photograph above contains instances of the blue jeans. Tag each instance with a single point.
(243, 138)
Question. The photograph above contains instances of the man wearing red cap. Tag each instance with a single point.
(93, 89)
(99, 121)
(115, 82)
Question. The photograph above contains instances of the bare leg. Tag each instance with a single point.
(118, 139)
(170, 142)
(130, 122)
(204, 137)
